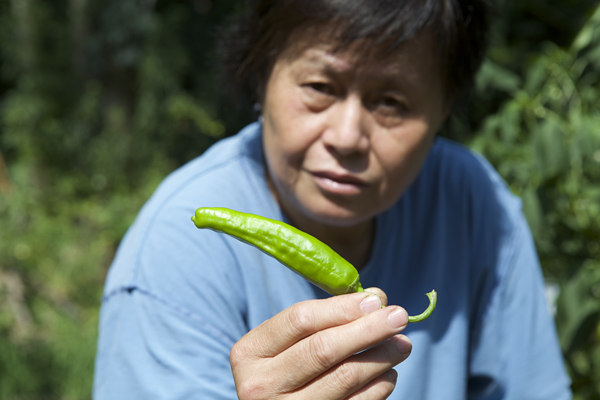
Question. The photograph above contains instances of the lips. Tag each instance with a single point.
(341, 184)
(341, 178)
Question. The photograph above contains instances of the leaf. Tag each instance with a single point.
(494, 76)
(578, 307)
(589, 32)
(533, 211)
(549, 148)
(183, 107)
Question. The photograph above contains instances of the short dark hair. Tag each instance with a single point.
(252, 46)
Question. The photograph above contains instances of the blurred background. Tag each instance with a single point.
(101, 99)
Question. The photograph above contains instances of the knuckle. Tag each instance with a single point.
(346, 377)
(322, 353)
(346, 309)
(252, 389)
(238, 354)
(301, 319)
(252, 381)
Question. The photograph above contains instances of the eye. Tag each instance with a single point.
(320, 87)
(392, 105)
(390, 109)
(318, 95)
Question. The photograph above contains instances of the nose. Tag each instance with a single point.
(346, 132)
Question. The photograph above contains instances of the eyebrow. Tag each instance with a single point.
(395, 73)
(325, 59)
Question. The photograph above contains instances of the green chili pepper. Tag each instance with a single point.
(302, 253)
(299, 251)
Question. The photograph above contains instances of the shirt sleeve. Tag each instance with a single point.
(173, 308)
(151, 349)
(177, 298)
(515, 352)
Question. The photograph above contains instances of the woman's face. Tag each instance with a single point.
(345, 136)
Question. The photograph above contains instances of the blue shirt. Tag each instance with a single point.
(177, 298)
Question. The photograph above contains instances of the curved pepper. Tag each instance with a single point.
(299, 251)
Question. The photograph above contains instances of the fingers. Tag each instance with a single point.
(379, 293)
(305, 318)
(379, 388)
(363, 373)
(325, 349)
(328, 349)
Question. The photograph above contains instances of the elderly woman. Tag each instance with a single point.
(352, 94)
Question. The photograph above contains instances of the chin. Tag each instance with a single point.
(342, 216)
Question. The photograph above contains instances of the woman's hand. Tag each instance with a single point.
(343, 347)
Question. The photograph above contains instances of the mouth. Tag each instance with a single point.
(340, 184)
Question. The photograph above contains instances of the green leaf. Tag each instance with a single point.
(549, 147)
(578, 307)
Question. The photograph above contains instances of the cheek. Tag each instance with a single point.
(402, 159)
(284, 156)
(289, 139)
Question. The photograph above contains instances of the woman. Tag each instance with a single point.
(352, 94)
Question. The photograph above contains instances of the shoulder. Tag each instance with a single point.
(460, 199)
(220, 167)
(463, 166)
(216, 177)
(163, 238)
(467, 181)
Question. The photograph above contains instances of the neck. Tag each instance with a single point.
(353, 242)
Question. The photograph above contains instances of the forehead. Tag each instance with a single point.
(417, 56)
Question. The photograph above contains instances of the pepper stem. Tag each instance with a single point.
(425, 314)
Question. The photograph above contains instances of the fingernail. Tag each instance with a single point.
(398, 318)
(391, 376)
(370, 303)
(403, 345)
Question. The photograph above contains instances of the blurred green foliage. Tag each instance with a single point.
(538, 121)
(99, 100)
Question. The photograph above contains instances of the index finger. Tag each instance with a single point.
(305, 318)
(379, 293)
